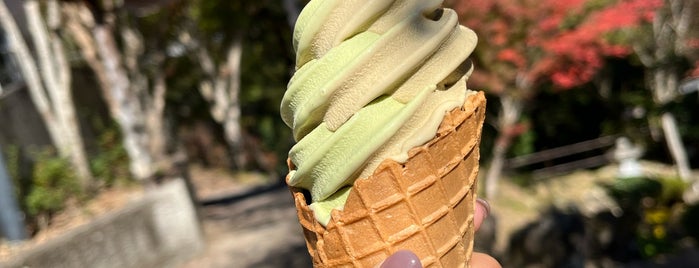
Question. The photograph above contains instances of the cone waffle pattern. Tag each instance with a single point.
(425, 205)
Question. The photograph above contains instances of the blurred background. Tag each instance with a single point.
(158, 122)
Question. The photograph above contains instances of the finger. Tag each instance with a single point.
(481, 212)
(481, 260)
(402, 259)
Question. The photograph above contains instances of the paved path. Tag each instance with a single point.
(258, 228)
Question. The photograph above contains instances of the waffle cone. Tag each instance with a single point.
(425, 205)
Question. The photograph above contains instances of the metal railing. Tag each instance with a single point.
(579, 148)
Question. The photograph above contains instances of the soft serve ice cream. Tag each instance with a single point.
(374, 79)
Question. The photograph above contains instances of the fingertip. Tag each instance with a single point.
(481, 212)
(402, 259)
(484, 205)
(482, 260)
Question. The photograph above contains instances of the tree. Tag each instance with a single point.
(527, 43)
(132, 58)
(48, 76)
(114, 50)
(221, 88)
(662, 50)
(224, 39)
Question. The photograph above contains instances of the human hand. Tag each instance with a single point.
(407, 259)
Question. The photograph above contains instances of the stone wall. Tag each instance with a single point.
(160, 230)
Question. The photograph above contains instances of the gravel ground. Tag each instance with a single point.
(255, 228)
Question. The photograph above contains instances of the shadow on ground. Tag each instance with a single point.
(254, 228)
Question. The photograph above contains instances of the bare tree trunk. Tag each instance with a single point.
(125, 86)
(155, 117)
(496, 165)
(57, 78)
(150, 95)
(231, 122)
(124, 106)
(222, 93)
(79, 23)
(671, 27)
(511, 109)
(52, 97)
(674, 143)
(28, 68)
(664, 87)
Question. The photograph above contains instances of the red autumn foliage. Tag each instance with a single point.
(526, 42)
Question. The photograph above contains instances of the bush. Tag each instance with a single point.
(629, 192)
(53, 183)
(653, 202)
(111, 164)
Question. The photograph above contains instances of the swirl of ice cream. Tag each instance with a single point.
(373, 80)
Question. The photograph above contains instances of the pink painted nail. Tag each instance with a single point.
(485, 205)
(402, 259)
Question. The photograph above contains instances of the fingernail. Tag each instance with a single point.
(402, 259)
(485, 205)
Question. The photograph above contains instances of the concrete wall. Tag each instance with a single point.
(161, 230)
(20, 123)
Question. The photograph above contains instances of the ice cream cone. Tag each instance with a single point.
(425, 205)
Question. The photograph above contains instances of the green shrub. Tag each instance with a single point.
(53, 183)
(629, 192)
(672, 189)
(653, 201)
(111, 164)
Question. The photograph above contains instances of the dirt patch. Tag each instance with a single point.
(259, 231)
(216, 182)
